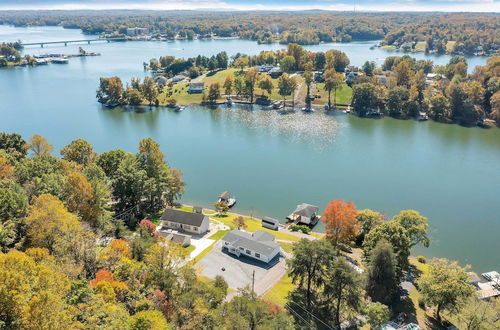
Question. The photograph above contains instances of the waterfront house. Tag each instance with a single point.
(259, 245)
(270, 223)
(178, 78)
(196, 88)
(306, 214)
(190, 222)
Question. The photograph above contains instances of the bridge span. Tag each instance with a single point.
(66, 42)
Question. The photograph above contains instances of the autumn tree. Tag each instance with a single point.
(32, 295)
(240, 222)
(251, 79)
(221, 207)
(79, 151)
(110, 91)
(340, 222)
(336, 59)
(241, 63)
(149, 90)
(266, 84)
(213, 92)
(308, 80)
(79, 198)
(445, 286)
(49, 224)
(403, 74)
(39, 145)
(228, 85)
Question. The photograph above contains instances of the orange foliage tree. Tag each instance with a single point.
(340, 221)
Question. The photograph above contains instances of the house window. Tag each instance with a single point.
(195, 228)
(257, 255)
(187, 227)
(226, 243)
(248, 252)
(242, 249)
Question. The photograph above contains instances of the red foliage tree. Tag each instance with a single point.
(147, 226)
(102, 275)
(340, 221)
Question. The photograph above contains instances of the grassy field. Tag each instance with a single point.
(388, 47)
(287, 247)
(450, 45)
(279, 292)
(344, 95)
(219, 235)
(190, 248)
(420, 46)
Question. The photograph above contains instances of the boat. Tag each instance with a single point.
(276, 105)
(227, 198)
(60, 60)
(307, 109)
(179, 107)
(422, 116)
(229, 101)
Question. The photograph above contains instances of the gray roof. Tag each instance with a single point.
(306, 210)
(275, 221)
(260, 241)
(196, 86)
(186, 218)
(225, 195)
(179, 238)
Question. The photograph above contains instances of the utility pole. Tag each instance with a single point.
(253, 283)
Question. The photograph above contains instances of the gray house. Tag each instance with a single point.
(196, 88)
(181, 239)
(195, 223)
(259, 245)
(305, 213)
(270, 223)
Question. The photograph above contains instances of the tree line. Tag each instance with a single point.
(66, 262)
(468, 30)
(451, 95)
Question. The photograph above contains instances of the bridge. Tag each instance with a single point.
(66, 42)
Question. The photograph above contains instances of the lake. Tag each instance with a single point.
(272, 161)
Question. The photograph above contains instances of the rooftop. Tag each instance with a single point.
(260, 241)
(306, 210)
(187, 218)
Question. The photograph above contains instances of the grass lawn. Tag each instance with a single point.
(420, 46)
(388, 47)
(254, 225)
(180, 93)
(279, 292)
(450, 45)
(219, 235)
(155, 217)
(344, 95)
(190, 249)
(287, 247)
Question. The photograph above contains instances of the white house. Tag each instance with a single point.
(195, 223)
(136, 31)
(259, 245)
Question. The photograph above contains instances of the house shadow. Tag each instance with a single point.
(253, 262)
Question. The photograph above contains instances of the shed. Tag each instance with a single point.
(270, 223)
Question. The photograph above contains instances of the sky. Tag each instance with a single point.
(342, 5)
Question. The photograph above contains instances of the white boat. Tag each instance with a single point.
(179, 107)
(60, 60)
(227, 198)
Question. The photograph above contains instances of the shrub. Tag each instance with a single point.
(422, 259)
(302, 228)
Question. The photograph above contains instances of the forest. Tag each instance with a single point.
(462, 33)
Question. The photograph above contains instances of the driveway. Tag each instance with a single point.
(238, 271)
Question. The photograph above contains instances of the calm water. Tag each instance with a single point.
(272, 161)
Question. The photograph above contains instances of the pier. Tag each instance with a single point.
(66, 42)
